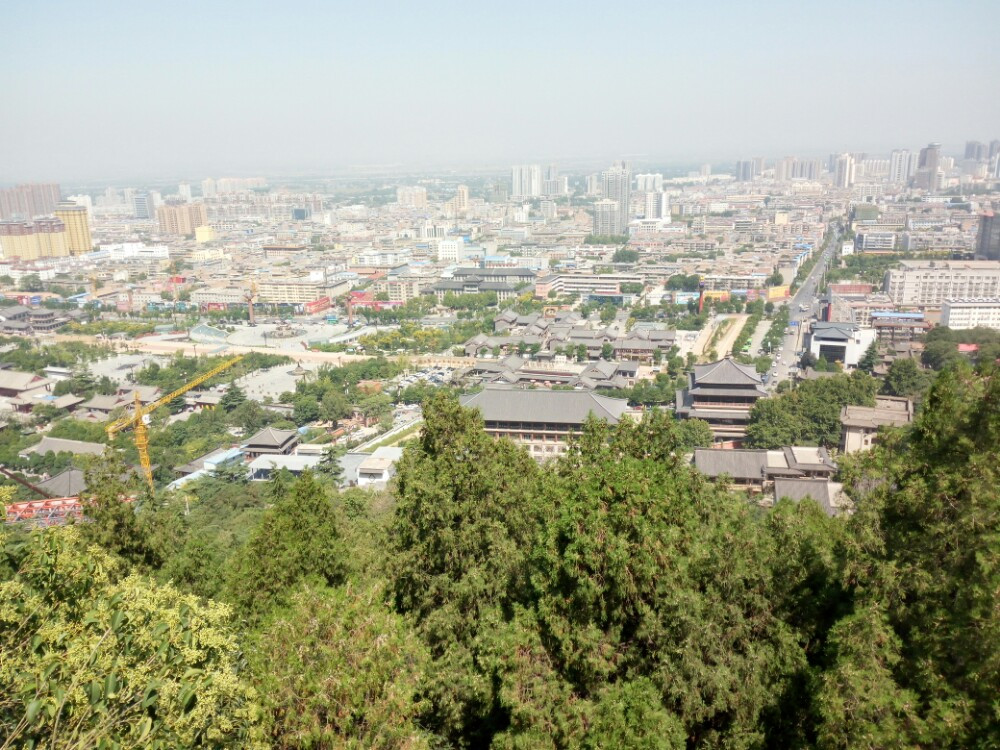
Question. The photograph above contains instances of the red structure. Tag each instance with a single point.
(53, 511)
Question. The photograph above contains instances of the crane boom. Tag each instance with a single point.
(135, 420)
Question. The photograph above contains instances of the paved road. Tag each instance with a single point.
(806, 295)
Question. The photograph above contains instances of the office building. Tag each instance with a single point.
(143, 206)
(988, 240)
(182, 219)
(975, 150)
(25, 202)
(526, 181)
(74, 218)
(928, 165)
(962, 314)
(616, 184)
(607, 218)
(931, 282)
(29, 240)
(745, 170)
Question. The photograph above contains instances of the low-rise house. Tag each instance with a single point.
(263, 467)
(756, 470)
(859, 425)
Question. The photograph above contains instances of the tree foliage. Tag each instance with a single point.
(94, 657)
(810, 413)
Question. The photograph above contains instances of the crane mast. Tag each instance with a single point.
(140, 415)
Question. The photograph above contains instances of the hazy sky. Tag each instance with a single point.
(105, 89)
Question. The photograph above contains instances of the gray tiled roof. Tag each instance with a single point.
(65, 484)
(557, 407)
(726, 372)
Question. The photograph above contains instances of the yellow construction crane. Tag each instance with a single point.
(139, 417)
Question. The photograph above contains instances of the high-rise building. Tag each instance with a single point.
(181, 219)
(462, 198)
(593, 185)
(184, 191)
(83, 200)
(746, 170)
(142, 205)
(526, 181)
(927, 167)
(208, 187)
(74, 218)
(28, 201)
(649, 183)
(617, 186)
(607, 218)
(844, 169)
(30, 240)
(657, 206)
(902, 166)
(415, 197)
(988, 241)
(975, 150)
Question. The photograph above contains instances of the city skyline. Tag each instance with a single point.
(250, 88)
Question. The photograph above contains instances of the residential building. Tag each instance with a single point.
(617, 186)
(844, 173)
(74, 218)
(414, 197)
(930, 283)
(721, 393)
(902, 166)
(541, 420)
(181, 219)
(962, 314)
(25, 202)
(42, 238)
(526, 181)
(608, 218)
(860, 424)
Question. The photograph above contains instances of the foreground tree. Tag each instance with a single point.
(459, 539)
(926, 563)
(93, 657)
(297, 540)
(338, 669)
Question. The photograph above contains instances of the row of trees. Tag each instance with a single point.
(614, 598)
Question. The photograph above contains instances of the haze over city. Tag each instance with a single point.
(518, 375)
(119, 90)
